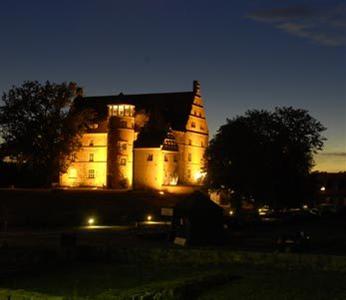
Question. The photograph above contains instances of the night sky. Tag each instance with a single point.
(246, 54)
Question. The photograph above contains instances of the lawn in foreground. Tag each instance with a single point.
(256, 282)
(91, 279)
(88, 280)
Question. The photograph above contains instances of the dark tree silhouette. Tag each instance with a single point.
(266, 156)
(40, 126)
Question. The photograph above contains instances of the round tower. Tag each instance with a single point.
(121, 135)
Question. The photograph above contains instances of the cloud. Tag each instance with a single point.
(325, 26)
(280, 14)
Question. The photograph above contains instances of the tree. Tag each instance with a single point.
(41, 127)
(265, 156)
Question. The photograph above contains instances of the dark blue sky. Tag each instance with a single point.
(246, 54)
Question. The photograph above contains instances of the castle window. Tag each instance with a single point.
(189, 173)
(94, 126)
(127, 110)
(189, 157)
(91, 143)
(123, 162)
(201, 127)
(123, 124)
(121, 110)
(193, 125)
(91, 173)
(91, 156)
(165, 158)
(175, 159)
(190, 142)
(202, 144)
(150, 157)
(74, 157)
(124, 147)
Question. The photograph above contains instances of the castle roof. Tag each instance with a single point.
(174, 108)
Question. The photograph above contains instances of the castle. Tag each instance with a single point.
(142, 141)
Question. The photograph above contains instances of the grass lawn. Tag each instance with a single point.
(250, 282)
(270, 284)
(91, 279)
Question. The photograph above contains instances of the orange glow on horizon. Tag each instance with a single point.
(331, 163)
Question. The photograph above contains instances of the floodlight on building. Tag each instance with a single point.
(91, 221)
(149, 218)
(72, 173)
(161, 192)
(199, 175)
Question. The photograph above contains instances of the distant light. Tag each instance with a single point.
(149, 218)
(305, 206)
(161, 192)
(323, 188)
(91, 221)
(231, 212)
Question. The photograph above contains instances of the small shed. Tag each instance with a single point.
(197, 220)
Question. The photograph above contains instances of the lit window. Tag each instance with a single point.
(91, 174)
(150, 157)
(121, 110)
(166, 158)
(193, 125)
(189, 157)
(127, 110)
(91, 157)
(123, 162)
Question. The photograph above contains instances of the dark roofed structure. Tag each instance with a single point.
(173, 107)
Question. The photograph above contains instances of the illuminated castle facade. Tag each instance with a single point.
(143, 141)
